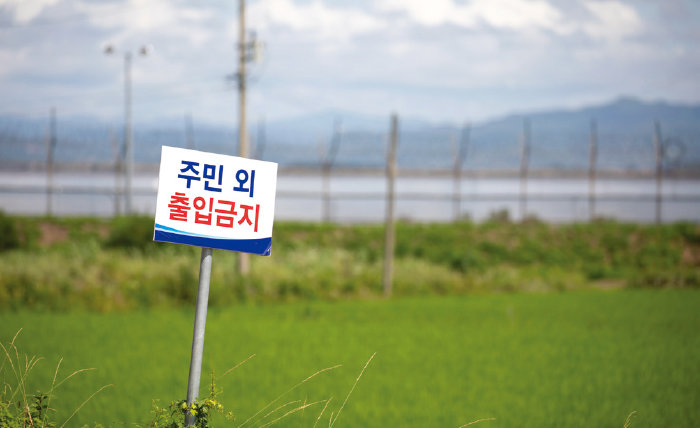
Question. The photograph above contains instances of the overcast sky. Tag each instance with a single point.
(441, 60)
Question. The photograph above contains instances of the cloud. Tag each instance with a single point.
(500, 14)
(26, 10)
(438, 58)
(608, 20)
(9, 58)
(613, 20)
(140, 17)
(314, 18)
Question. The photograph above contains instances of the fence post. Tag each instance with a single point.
(189, 134)
(390, 238)
(461, 153)
(658, 149)
(51, 145)
(524, 159)
(326, 191)
(592, 169)
(117, 150)
(260, 139)
(456, 177)
(326, 168)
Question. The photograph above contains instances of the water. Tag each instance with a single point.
(361, 199)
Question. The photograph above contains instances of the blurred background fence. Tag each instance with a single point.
(443, 173)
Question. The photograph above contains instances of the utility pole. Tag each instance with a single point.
(243, 258)
(247, 51)
(242, 59)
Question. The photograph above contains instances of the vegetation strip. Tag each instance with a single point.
(113, 265)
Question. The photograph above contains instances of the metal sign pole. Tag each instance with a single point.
(200, 320)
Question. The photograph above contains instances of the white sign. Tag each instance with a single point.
(215, 201)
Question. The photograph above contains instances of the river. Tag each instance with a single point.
(361, 199)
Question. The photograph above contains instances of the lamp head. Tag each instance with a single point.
(146, 49)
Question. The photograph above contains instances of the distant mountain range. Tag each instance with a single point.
(559, 139)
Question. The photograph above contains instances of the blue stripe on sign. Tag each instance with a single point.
(182, 232)
(255, 246)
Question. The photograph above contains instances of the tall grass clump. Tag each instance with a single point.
(280, 408)
(9, 237)
(21, 405)
(131, 232)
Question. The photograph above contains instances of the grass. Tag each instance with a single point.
(108, 265)
(21, 405)
(586, 358)
(606, 334)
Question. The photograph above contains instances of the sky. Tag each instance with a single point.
(439, 60)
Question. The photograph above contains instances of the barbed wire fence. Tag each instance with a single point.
(339, 174)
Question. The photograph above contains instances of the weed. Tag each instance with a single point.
(177, 413)
(19, 407)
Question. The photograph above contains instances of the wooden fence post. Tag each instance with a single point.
(260, 139)
(50, 148)
(390, 227)
(524, 160)
(592, 169)
(189, 134)
(461, 153)
(118, 152)
(326, 168)
(658, 149)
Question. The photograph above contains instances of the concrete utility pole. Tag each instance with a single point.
(243, 258)
(247, 51)
(242, 59)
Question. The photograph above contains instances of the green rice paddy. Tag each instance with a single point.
(568, 359)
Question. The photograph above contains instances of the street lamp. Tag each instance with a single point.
(128, 135)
